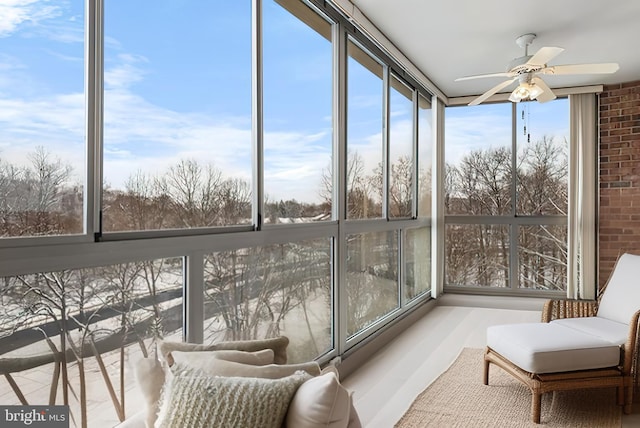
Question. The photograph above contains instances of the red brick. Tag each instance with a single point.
(610, 113)
(617, 145)
(619, 153)
(623, 131)
(614, 139)
(609, 100)
(635, 84)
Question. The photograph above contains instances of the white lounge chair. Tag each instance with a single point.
(578, 344)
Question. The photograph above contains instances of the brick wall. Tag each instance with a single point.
(619, 216)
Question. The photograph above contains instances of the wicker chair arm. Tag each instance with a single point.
(631, 355)
(567, 308)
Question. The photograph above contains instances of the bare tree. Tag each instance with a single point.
(542, 178)
(10, 203)
(193, 192)
(32, 197)
(235, 201)
(401, 187)
(482, 185)
(141, 206)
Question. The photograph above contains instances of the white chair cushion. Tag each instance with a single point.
(551, 347)
(621, 298)
(611, 331)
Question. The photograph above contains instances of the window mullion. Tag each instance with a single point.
(386, 84)
(94, 78)
(193, 297)
(514, 270)
(257, 152)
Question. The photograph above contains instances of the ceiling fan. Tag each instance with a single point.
(526, 69)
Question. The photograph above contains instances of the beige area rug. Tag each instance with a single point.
(459, 399)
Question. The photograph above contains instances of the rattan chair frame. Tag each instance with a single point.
(624, 376)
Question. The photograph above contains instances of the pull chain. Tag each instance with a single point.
(525, 122)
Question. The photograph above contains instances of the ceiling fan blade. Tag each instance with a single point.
(544, 55)
(547, 94)
(602, 68)
(481, 76)
(491, 91)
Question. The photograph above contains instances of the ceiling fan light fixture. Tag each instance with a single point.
(534, 91)
(525, 91)
(516, 96)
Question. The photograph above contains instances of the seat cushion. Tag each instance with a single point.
(611, 331)
(551, 347)
(621, 298)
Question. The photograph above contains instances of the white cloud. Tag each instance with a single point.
(294, 163)
(14, 13)
(125, 73)
(140, 135)
(474, 132)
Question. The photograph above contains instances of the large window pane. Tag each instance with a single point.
(542, 256)
(425, 150)
(298, 72)
(261, 292)
(372, 278)
(42, 118)
(417, 256)
(106, 318)
(543, 147)
(477, 255)
(177, 115)
(478, 160)
(364, 134)
(400, 149)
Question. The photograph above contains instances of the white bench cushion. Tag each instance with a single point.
(621, 298)
(551, 347)
(611, 331)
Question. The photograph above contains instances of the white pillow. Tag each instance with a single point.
(277, 344)
(196, 400)
(354, 419)
(216, 367)
(320, 402)
(150, 377)
(196, 359)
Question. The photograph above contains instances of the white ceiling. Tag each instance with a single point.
(447, 39)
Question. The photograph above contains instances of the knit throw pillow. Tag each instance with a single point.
(196, 400)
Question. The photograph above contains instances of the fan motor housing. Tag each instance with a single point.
(519, 65)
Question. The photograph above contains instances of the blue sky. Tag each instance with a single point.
(489, 125)
(178, 86)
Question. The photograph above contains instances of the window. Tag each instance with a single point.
(106, 317)
(42, 119)
(417, 250)
(365, 109)
(154, 174)
(177, 115)
(478, 160)
(298, 137)
(506, 195)
(372, 278)
(401, 162)
(282, 289)
(425, 157)
(477, 255)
